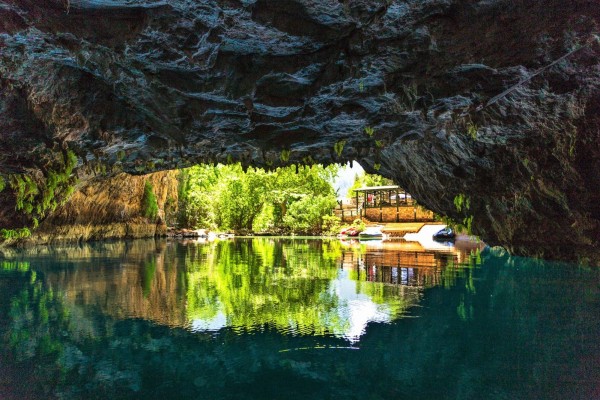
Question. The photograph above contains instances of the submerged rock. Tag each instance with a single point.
(493, 101)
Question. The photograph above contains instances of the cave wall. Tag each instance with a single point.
(494, 101)
(111, 208)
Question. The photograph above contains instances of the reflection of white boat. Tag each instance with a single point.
(425, 238)
(371, 233)
(216, 235)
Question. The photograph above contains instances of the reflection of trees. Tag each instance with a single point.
(264, 281)
(289, 284)
(532, 333)
(138, 279)
(37, 320)
(34, 313)
(148, 274)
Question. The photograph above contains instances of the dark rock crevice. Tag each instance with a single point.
(139, 86)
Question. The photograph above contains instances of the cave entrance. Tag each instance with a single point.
(296, 199)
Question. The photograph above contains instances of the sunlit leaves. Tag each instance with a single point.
(339, 147)
(228, 198)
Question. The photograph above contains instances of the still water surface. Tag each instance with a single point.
(303, 319)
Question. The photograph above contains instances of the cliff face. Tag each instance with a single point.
(490, 104)
(111, 208)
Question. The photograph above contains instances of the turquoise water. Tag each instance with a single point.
(295, 319)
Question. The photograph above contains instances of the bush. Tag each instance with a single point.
(358, 224)
(19, 233)
(265, 220)
(332, 225)
(149, 203)
(306, 214)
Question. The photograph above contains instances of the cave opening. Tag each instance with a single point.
(289, 199)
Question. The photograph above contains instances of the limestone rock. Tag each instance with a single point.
(111, 209)
(495, 100)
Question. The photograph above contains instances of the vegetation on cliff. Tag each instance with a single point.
(149, 203)
(38, 196)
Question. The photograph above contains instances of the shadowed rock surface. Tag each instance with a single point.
(144, 85)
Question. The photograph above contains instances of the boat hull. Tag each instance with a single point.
(370, 237)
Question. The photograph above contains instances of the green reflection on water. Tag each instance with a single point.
(262, 282)
(292, 285)
(114, 321)
(9, 266)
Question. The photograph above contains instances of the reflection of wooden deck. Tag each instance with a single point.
(408, 259)
(408, 265)
(406, 276)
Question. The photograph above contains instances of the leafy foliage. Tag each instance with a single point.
(306, 214)
(149, 203)
(226, 197)
(358, 224)
(26, 191)
(36, 197)
(339, 147)
(472, 130)
(21, 233)
(285, 155)
(332, 225)
(462, 203)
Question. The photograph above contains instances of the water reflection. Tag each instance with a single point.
(272, 318)
(300, 286)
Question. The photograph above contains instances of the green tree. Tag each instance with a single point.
(233, 207)
(332, 225)
(292, 184)
(306, 214)
(196, 196)
(227, 197)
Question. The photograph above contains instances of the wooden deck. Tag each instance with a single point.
(385, 213)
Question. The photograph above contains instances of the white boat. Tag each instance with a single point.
(371, 233)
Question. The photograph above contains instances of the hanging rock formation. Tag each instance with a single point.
(480, 108)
